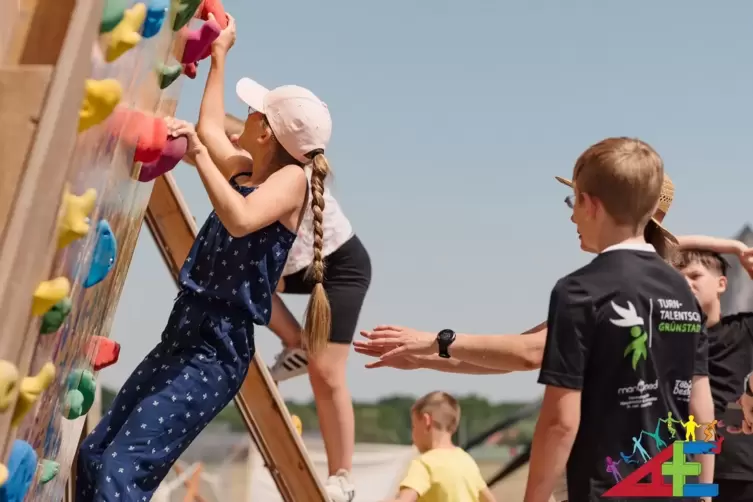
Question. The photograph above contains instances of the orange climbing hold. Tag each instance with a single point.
(100, 99)
(127, 34)
(105, 352)
(74, 222)
(48, 293)
(146, 134)
(31, 389)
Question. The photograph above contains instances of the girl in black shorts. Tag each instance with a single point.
(347, 275)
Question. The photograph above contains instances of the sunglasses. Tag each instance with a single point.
(570, 201)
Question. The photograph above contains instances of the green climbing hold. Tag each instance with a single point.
(168, 74)
(50, 469)
(80, 396)
(184, 11)
(54, 318)
(112, 15)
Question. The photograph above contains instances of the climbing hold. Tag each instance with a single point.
(297, 424)
(190, 70)
(8, 382)
(168, 74)
(74, 222)
(112, 14)
(50, 469)
(105, 352)
(48, 293)
(55, 317)
(100, 99)
(218, 15)
(146, 134)
(103, 258)
(80, 396)
(184, 12)
(30, 390)
(155, 17)
(126, 34)
(22, 464)
(175, 149)
(3, 475)
(198, 41)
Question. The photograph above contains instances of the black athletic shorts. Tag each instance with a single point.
(347, 275)
(733, 490)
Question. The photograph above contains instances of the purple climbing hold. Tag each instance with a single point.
(197, 41)
(174, 151)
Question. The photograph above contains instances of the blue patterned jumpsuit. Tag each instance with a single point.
(226, 286)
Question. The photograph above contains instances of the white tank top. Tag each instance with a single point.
(337, 231)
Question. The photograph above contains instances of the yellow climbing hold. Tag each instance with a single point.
(48, 293)
(31, 389)
(100, 99)
(126, 34)
(297, 424)
(8, 382)
(74, 222)
(3, 474)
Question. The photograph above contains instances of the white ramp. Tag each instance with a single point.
(377, 471)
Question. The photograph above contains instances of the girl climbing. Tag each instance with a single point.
(226, 286)
(325, 242)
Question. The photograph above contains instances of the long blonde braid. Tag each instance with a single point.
(318, 313)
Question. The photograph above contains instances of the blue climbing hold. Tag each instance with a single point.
(156, 13)
(105, 252)
(22, 465)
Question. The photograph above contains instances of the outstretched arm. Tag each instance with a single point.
(715, 244)
(211, 127)
(500, 353)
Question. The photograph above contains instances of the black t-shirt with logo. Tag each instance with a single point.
(730, 360)
(626, 331)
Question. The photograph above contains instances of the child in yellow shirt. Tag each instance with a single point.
(443, 472)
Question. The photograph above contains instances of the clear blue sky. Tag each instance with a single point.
(451, 120)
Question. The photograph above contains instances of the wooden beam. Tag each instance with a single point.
(261, 406)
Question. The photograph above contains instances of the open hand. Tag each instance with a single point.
(225, 41)
(176, 127)
(746, 259)
(405, 362)
(396, 341)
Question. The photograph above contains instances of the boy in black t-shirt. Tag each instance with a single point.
(626, 344)
(730, 358)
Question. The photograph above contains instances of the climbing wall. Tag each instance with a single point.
(134, 54)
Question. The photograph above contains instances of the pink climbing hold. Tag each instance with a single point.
(189, 70)
(174, 151)
(105, 352)
(198, 41)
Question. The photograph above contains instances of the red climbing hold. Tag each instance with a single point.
(105, 352)
(146, 134)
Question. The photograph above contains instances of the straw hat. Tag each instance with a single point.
(666, 196)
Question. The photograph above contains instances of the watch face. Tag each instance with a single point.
(446, 335)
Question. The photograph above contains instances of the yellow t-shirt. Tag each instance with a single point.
(445, 475)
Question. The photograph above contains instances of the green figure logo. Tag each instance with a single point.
(629, 318)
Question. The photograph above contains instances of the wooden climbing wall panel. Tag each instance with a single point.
(261, 406)
(81, 92)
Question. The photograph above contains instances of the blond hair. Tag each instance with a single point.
(443, 409)
(626, 175)
(318, 316)
(318, 312)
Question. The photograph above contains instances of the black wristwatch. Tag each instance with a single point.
(748, 390)
(444, 340)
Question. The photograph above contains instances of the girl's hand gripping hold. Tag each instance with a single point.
(177, 128)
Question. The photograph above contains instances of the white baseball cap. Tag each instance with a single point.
(300, 121)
